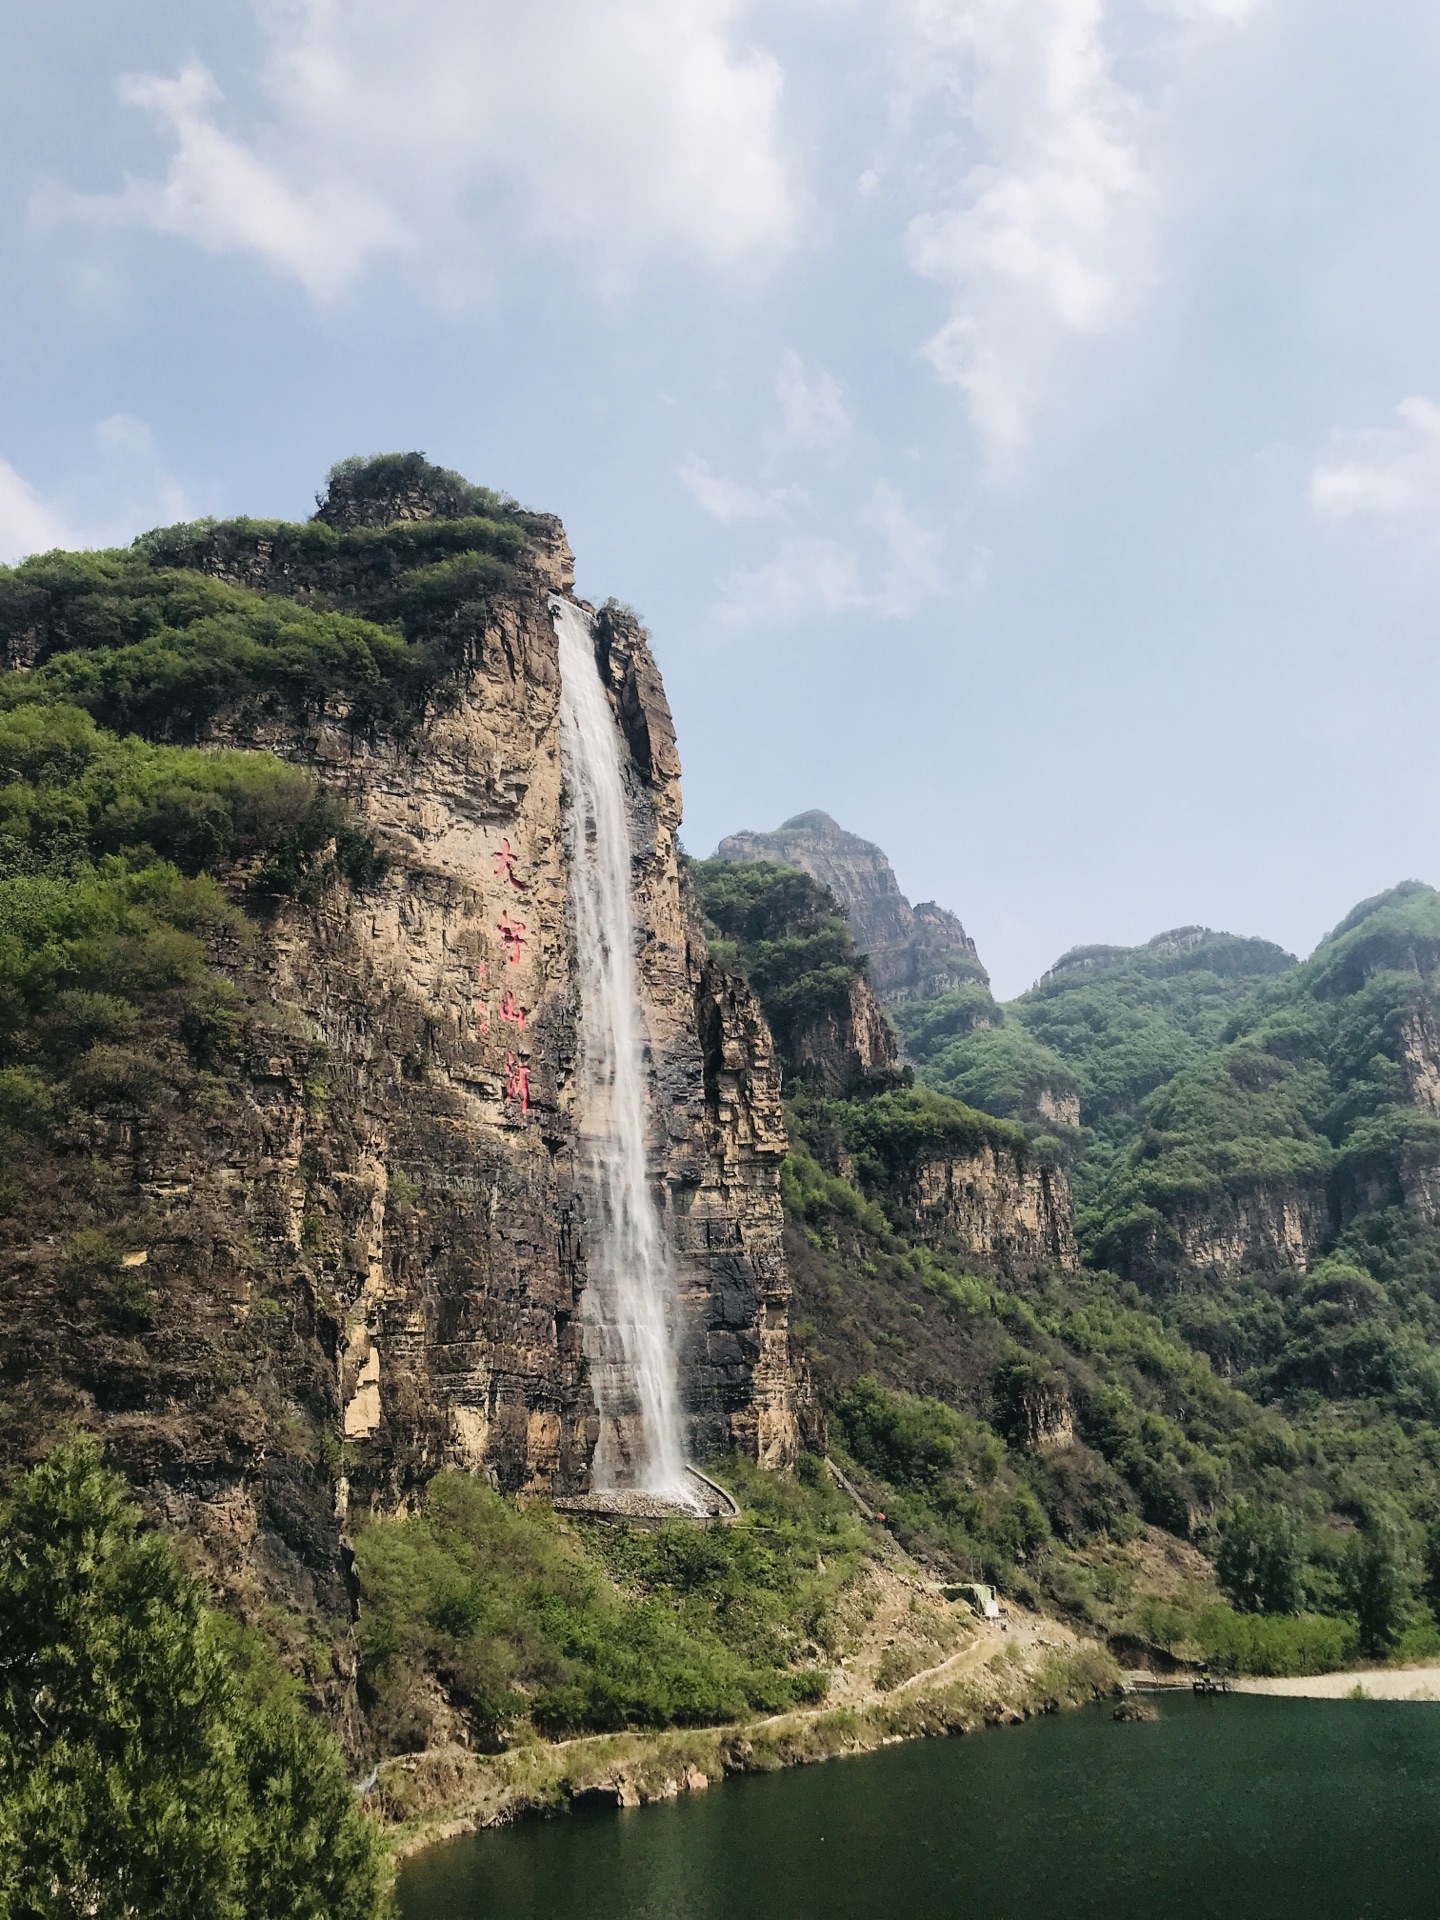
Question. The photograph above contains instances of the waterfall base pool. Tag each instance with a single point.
(1247, 1808)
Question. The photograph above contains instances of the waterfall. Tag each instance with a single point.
(630, 1292)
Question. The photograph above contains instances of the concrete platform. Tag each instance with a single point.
(702, 1499)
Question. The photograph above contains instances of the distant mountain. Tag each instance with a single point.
(1099, 1032)
(916, 953)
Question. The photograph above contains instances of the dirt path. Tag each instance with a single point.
(935, 1649)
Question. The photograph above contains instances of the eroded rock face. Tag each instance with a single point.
(1045, 1415)
(916, 953)
(1057, 1107)
(1278, 1228)
(366, 1248)
(1420, 1057)
(847, 1048)
(477, 1327)
(999, 1206)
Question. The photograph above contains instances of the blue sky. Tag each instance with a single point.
(1018, 421)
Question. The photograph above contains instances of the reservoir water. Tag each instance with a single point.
(1247, 1808)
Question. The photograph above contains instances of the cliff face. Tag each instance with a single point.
(845, 1046)
(1272, 1228)
(915, 953)
(997, 1206)
(477, 1335)
(364, 1242)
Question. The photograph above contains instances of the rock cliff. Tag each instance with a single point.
(363, 1239)
(998, 1206)
(915, 953)
(845, 1046)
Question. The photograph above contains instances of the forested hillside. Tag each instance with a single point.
(1249, 1356)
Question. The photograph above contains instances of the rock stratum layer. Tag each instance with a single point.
(363, 1244)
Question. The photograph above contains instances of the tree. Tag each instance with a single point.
(141, 1772)
(1375, 1587)
(1259, 1561)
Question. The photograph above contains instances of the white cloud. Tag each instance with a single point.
(28, 524)
(887, 569)
(227, 198)
(1390, 472)
(812, 410)
(807, 574)
(446, 127)
(1037, 238)
(1047, 203)
(121, 489)
(912, 571)
(729, 501)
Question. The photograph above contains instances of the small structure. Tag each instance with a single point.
(979, 1598)
(1212, 1680)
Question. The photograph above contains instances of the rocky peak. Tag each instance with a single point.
(382, 489)
(395, 489)
(916, 953)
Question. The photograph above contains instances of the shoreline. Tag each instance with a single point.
(1375, 1683)
(1414, 1683)
(445, 1792)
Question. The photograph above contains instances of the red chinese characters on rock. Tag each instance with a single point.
(513, 1013)
(517, 1083)
(512, 932)
(505, 867)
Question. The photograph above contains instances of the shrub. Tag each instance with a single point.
(144, 1769)
(523, 1618)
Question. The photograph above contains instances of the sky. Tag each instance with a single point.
(1017, 421)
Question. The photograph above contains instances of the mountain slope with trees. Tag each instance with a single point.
(1247, 1359)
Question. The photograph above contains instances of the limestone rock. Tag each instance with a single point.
(1278, 1227)
(373, 1235)
(845, 1048)
(999, 1205)
(916, 953)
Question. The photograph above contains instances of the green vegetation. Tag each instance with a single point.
(162, 652)
(1003, 1070)
(111, 912)
(1274, 1646)
(1286, 1422)
(153, 1760)
(72, 794)
(1106, 1025)
(369, 488)
(248, 618)
(892, 1134)
(786, 934)
(527, 1620)
(1307, 1085)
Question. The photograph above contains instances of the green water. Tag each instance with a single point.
(1247, 1808)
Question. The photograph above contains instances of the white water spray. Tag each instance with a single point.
(630, 1292)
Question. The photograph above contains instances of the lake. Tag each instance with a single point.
(1246, 1807)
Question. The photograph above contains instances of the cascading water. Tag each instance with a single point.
(630, 1292)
